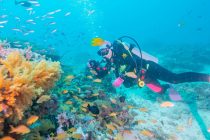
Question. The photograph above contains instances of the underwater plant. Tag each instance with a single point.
(21, 82)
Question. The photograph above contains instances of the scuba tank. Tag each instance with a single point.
(143, 55)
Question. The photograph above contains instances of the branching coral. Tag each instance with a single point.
(21, 81)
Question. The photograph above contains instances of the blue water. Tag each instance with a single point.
(162, 27)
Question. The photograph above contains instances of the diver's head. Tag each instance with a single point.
(105, 52)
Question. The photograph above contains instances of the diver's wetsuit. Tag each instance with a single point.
(153, 71)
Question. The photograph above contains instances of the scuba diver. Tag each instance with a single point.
(133, 66)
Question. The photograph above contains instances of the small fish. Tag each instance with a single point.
(18, 45)
(143, 109)
(31, 31)
(141, 121)
(3, 22)
(190, 121)
(43, 98)
(32, 120)
(97, 42)
(72, 129)
(111, 127)
(69, 102)
(3, 16)
(89, 77)
(65, 91)
(95, 94)
(21, 129)
(23, 3)
(131, 74)
(147, 133)
(97, 81)
(1, 26)
(25, 34)
(113, 101)
(17, 30)
(93, 109)
(85, 105)
(58, 10)
(62, 136)
(77, 136)
(33, 2)
(7, 138)
(53, 31)
(83, 109)
(130, 107)
(29, 9)
(67, 14)
(113, 114)
(208, 130)
(167, 104)
(90, 12)
(29, 20)
(52, 23)
(37, 5)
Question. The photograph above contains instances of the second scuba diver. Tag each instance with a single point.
(132, 67)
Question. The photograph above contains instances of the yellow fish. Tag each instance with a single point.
(131, 74)
(130, 107)
(97, 81)
(65, 91)
(84, 109)
(62, 136)
(141, 121)
(69, 77)
(97, 42)
(124, 55)
(21, 129)
(69, 102)
(72, 129)
(32, 120)
(90, 77)
(43, 98)
(113, 114)
(77, 136)
(143, 109)
(147, 133)
(95, 94)
(167, 104)
(85, 104)
(7, 138)
(110, 126)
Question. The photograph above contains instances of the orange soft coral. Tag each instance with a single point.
(21, 81)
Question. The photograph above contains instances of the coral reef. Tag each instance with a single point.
(22, 80)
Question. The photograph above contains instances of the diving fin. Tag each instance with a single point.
(174, 95)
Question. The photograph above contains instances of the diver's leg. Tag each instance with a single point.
(163, 74)
(155, 86)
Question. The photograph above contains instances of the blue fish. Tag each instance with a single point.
(23, 3)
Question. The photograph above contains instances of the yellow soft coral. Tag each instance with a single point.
(21, 81)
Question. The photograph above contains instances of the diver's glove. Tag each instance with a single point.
(118, 82)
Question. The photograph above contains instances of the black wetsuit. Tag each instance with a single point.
(154, 71)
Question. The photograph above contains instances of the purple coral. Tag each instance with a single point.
(63, 119)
